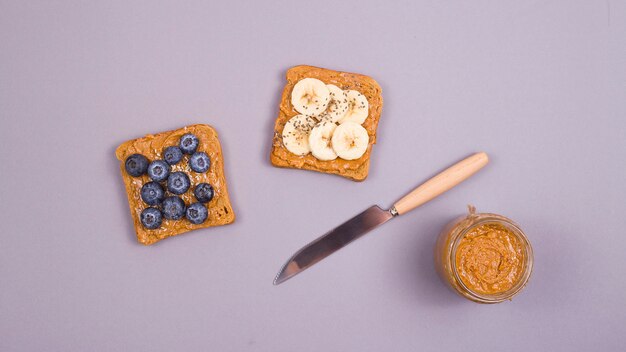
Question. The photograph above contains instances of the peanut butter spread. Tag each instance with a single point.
(490, 259)
(152, 146)
(353, 169)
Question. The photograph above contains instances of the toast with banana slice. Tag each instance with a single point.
(175, 182)
(327, 122)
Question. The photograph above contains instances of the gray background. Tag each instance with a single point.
(539, 85)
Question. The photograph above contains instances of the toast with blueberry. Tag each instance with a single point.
(327, 122)
(175, 182)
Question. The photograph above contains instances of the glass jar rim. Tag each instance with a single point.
(477, 219)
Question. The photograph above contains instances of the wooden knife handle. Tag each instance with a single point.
(445, 180)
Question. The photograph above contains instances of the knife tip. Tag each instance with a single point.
(280, 278)
(288, 270)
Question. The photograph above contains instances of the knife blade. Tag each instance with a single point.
(375, 216)
(333, 240)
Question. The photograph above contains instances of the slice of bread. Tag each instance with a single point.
(152, 146)
(356, 170)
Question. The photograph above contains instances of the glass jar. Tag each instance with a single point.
(456, 274)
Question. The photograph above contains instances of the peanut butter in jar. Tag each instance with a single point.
(484, 257)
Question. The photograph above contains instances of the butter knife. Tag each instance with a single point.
(375, 216)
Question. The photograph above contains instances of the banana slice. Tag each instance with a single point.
(338, 105)
(296, 134)
(350, 140)
(319, 141)
(358, 108)
(310, 97)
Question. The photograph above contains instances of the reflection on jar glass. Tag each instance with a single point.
(484, 257)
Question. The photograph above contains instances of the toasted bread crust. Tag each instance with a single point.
(356, 170)
(152, 146)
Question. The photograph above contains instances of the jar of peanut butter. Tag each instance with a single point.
(484, 257)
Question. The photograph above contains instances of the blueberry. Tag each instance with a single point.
(173, 208)
(151, 218)
(199, 162)
(196, 213)
(204, 192)
(152, 193)
(158, 170)
(188, 143)
(136, 165)
(178, 182)
(172, 155)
